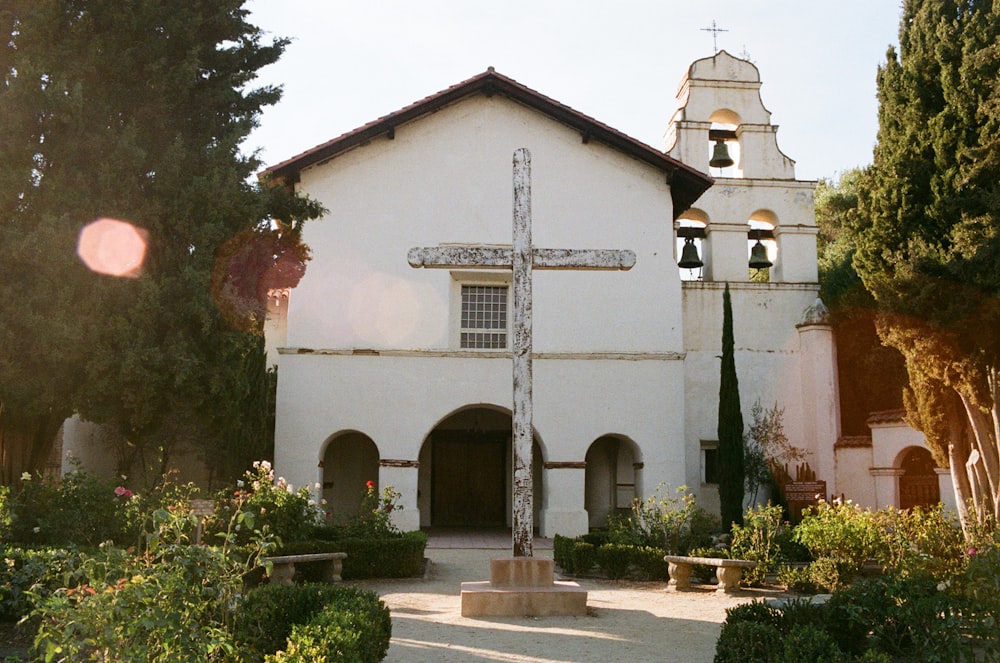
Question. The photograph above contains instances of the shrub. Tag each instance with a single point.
(285, 513)
(921, 540)
(842, 532)
(354, 628)
(562, 553)
(264, 619)
(615, 559)
(747, 642)
(808, 643)
(759, 539)
(80, 510)
(42, 571)
(584, 556)
(401, 556)
(797, 579)
(648, 563)
(672, 522)
(169, 604)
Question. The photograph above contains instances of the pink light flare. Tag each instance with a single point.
(113, 247)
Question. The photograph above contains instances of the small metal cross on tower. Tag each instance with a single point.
(715, 35)
(521, 259)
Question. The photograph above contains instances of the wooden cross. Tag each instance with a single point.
(521, 259)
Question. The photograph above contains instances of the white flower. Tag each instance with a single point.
(37, 530)
(25, 476)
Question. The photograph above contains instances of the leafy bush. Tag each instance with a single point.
(354, 628)
(562, 553)
(842, 532)
(79, 510)
(759, 539)
(797, 579)
(265, 618)
(747, 642)
(674, 523)
(648, 563)
(921, 540)
(42, 571)
(169, 604)
(615, 559)
(287, 514)
(808, 643)
(401, 556)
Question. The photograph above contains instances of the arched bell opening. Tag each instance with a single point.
(762, 248)
(689, 245)
(725, 158)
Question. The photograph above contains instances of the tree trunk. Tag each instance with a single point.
(25, 445)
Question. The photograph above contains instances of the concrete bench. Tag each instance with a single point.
(283, 566)
(728, 571)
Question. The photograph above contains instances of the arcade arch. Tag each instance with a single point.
(350, 461)
(612, 477)
(466, 470)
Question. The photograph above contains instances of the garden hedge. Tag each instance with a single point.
(395, 557)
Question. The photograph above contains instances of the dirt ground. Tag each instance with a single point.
(631, 622)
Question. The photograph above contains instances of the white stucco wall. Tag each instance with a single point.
(370, 341)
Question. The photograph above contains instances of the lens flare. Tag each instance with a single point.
(113, 247)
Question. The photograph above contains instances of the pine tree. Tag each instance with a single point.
(730, 429)
(131, 110)
(929, 244)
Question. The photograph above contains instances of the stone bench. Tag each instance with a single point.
(283, 566)
(728, 571)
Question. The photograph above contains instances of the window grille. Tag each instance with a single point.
(484, 317)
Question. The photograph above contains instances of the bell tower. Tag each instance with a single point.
(754, 230)
(756, 223)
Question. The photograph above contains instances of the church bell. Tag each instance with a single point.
(720, 155)
(758, 256)
(689, 255)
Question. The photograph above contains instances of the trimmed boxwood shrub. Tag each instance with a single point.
(615, 560)
(355, 629)
(264, 620)
(395, 557)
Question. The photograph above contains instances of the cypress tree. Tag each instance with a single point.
(929, 235)
(730, 429)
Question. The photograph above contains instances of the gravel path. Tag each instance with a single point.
(631, 622)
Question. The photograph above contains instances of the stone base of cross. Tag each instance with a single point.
(521, 259)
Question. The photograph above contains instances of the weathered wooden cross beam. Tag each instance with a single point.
(521, 259)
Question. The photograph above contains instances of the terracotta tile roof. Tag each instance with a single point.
(687, 184)
(853, 442)
(886, 417)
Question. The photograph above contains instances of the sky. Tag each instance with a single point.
(353, 61)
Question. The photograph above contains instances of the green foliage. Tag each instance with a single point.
(289, 515)
(842, 532)
(266, 616)
(730, 426)
(928, 244)
(170, 604)
(798, 579)
(747, 642)
(809, 643)
(401, 556)
(134, 111)
(760, 539)
(80, 510)
(374, 518)
(353, 629)
(574, 556)
(674, 523)
(615, 559)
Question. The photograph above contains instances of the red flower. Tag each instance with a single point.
(371, 485)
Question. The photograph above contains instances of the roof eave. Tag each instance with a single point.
(687, 184)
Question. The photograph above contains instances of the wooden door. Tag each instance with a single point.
(468, 477)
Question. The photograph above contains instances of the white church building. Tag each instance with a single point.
(403, 376)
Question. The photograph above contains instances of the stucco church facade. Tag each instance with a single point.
(403, 376)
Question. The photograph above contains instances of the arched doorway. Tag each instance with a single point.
(350, 461)
(918, 486)
(466, 466)
(610, 479)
